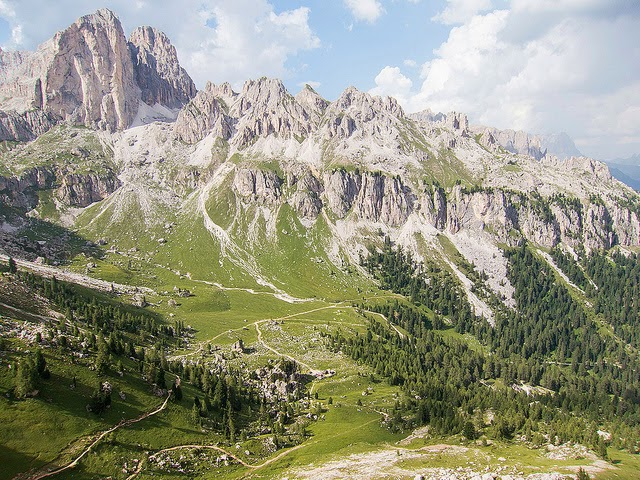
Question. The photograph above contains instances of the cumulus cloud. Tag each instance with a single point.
(542, 66)
(365, 10)
(390, 81)
(216, 40)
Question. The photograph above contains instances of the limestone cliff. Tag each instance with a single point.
(157, 71)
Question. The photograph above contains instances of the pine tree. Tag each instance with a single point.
(469, 431)
(195, 414)
(26, 378)
(582, 475)
(102, 359)
(41, 365)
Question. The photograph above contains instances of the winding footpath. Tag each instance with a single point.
(125, 423)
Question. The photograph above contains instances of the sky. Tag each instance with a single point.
(543, 66)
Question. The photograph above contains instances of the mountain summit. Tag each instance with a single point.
(89, 74)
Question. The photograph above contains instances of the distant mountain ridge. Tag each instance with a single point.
(627, 170)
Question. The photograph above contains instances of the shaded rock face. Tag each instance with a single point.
(307, 199)
(341, 189)
(157, 71)
(258, 185)
(21, 192)
(384, 199)
(72, 190)
(479, 211)
(83, 190)
(23, 127)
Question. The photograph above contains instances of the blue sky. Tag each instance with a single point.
(543, 66)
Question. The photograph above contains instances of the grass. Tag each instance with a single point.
(37, 430)
(55, 148)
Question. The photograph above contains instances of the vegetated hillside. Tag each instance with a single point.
(337, 270)
(572, 353)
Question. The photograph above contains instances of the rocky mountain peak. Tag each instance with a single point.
(79, 88)
(157, 71)
(83, 75)
(353, 99)
(366, 116)
(312, 101)
(224, 91)
(266, 94)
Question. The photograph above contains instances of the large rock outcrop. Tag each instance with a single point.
(26, 126)
(88, 74)
(204, 115)
(83, 75)
(157, 71)
(70, 189)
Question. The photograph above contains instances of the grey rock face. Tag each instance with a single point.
(307, 198)
(598, 232)
(341, 190)
(458, 122)
(485, 210)
(72, 190)
(157, 71)
(569, 220)
(512, 141)
(83, 190)
(21, 191)
(384, 199)
(26, 126)
(83, 75)
(203, 115)
(258, 185)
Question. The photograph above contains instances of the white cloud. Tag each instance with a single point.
(577, 71)
(411, 63)
(459, 11)
(390, 81)
(216, 40)
(365, 10)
